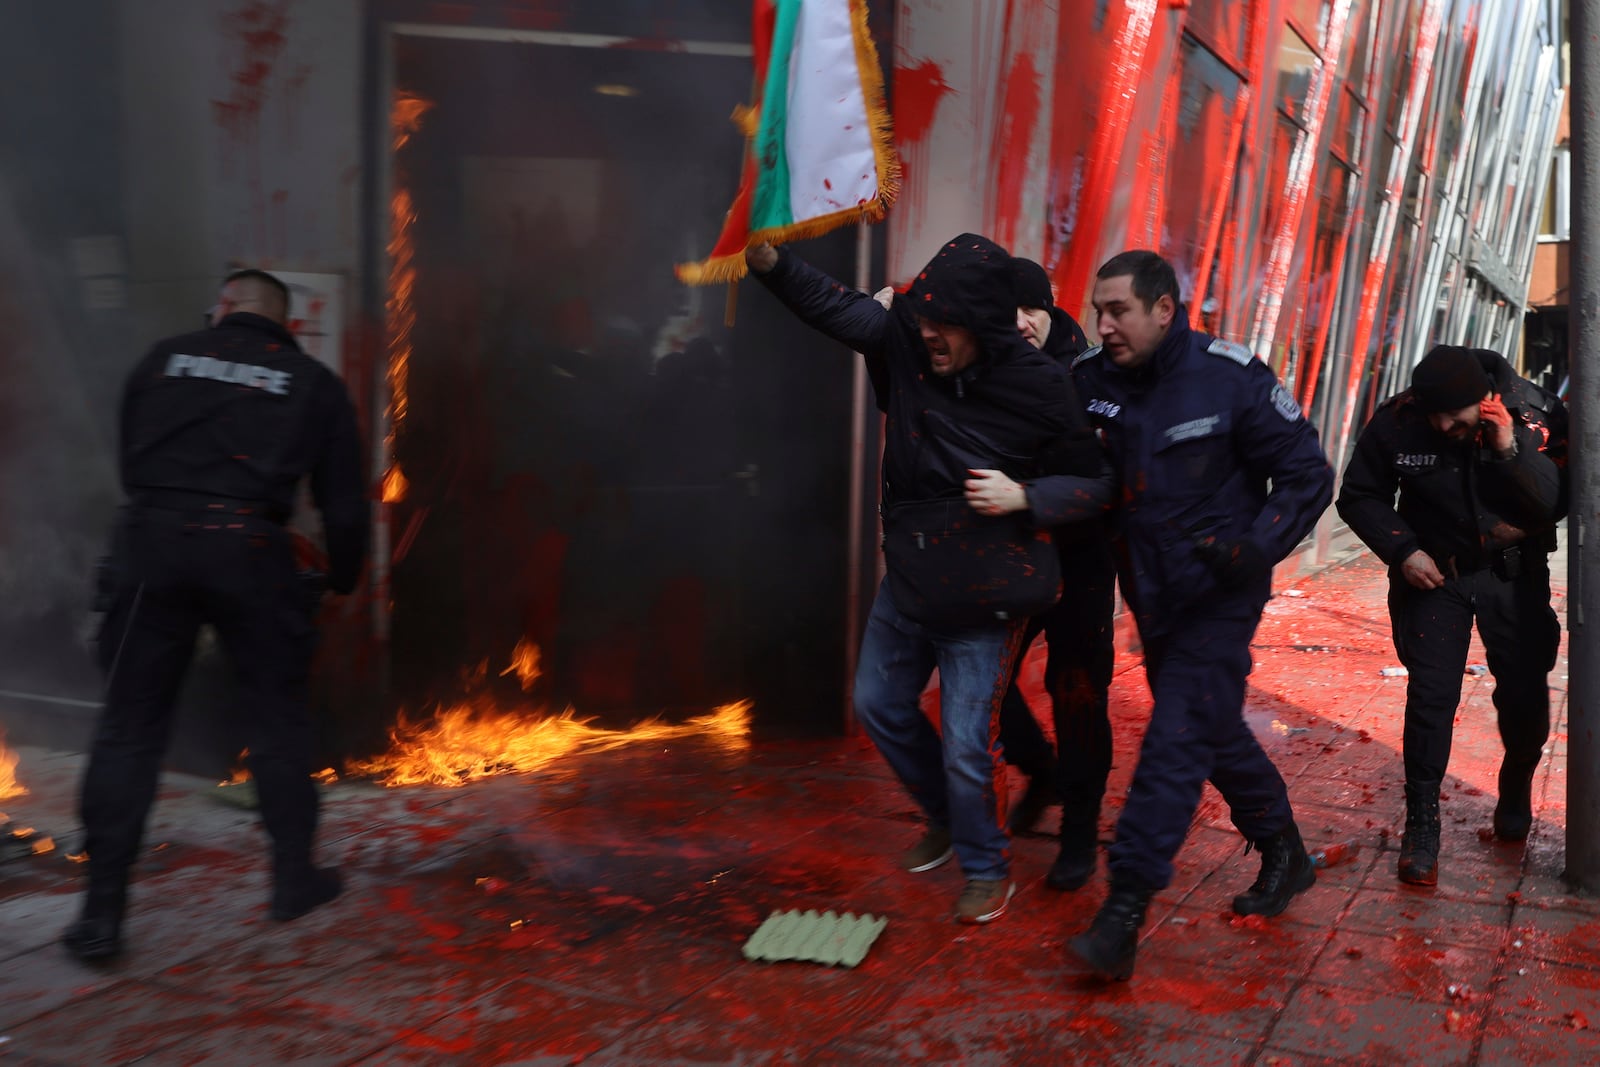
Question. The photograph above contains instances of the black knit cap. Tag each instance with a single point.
(1449, 378)
(1031, 283)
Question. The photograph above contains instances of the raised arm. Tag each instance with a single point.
(850, 317)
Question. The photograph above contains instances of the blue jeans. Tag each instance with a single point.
(959, 784)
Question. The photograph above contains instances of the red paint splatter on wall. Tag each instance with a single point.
(1019, 117)
(917, 93)
(259, 29)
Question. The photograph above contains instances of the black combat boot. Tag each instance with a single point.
(1419, 847)
(97, 934)
(1080, 848)
(1513, 814)
(1112, 940)
(299, 887)
(1285, 871)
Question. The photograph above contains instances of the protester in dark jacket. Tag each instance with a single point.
(974, 415)
(1478, 457)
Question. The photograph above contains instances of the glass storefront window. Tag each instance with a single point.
(1207, 110)
(1222, 25)
(1297, 63)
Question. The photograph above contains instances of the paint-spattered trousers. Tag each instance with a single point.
(1197, 671)
(181, 571)
(956, 783)
(1077, 676)
(1432, 632)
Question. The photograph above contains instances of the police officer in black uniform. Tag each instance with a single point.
(217, 430)
(1478, 456)
(1221, 477)
(1079, 635)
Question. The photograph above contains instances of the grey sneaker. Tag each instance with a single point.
(930, 852)
(984, 900)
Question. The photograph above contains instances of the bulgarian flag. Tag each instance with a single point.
(819, 152)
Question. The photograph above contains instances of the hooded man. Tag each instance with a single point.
(976, 418)
(1478, 456)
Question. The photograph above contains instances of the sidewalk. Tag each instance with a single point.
(596, 915)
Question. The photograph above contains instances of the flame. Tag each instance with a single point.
(405, 119)
(10, 786)
(464, 743)
(525, 663)
(327, 776)
(241, 771)
(476, 739)
(395, 485)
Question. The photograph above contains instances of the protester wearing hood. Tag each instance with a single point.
(1221, 477)
(1478, 457)
(976, 420)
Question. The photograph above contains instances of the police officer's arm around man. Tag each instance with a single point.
(962, 392)
(1477, 457)
(1221, 477)
(218, 428)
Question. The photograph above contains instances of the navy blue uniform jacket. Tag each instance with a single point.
(1207, 444)
(1456, 499)
(239, 412)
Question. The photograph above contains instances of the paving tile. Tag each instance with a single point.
(1376, 1027)
(46, 979)
(120, 1024)
(1550, 990)
(1541, 1039)
(265, 1038)
(1418, 913)
(1402, 964)
(522, 1022)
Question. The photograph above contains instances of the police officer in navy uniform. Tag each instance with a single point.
(1478, 456)
(218, 428)
(1079, 635)
(1222, 476)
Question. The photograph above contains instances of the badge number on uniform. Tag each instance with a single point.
(1284, 404)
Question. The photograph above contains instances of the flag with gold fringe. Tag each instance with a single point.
(819, 150)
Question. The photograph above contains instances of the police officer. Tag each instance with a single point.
(1221, 477)
(217, 430)
(1478, 456)
(1078, 633)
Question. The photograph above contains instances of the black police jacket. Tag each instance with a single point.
(239, 412)
(1458, 502)
(1207, 446)
(1014, 410)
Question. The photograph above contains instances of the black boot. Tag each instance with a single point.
(97, 934)
(1285, 871)
(1112, 940)
(301, 888)
(1419, 847)
(1080, 849)
(1513, 814)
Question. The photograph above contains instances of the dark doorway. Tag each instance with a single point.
(598, 466)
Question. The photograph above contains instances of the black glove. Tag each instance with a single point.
(1235, 563)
